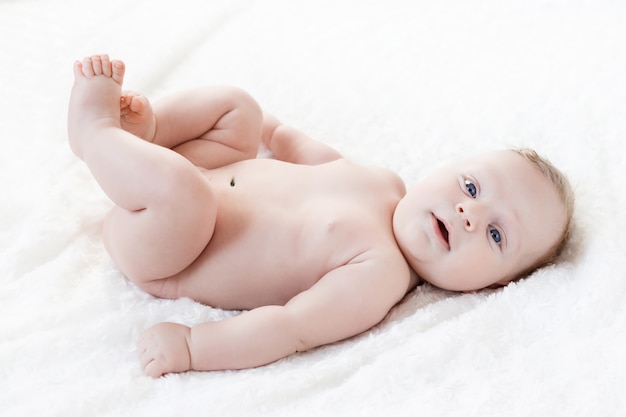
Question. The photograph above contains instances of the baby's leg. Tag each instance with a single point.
(165, 212)
(211, 126)
(137, 116)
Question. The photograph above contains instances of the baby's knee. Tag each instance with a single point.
(245, 120)
(244, 103)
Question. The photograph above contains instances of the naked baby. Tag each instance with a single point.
(313, 247)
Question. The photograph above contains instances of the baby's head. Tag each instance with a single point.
(486, 220)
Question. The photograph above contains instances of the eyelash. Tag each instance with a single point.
(493, 233)
(469, 187)
(472, 191)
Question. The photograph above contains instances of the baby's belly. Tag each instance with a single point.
(280, 228)
(260, 260)
(239, 280)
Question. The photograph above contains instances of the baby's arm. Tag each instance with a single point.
(345, 302)
(291, 145)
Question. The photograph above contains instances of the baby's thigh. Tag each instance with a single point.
(164, 238)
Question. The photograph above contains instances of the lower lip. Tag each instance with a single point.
(438, 235)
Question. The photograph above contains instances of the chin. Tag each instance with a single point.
(425, 277)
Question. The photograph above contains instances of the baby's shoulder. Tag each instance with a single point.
(385, 270)
(375, 175)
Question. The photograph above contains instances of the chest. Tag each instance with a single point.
(291, 217)
(268, 185)
(291, 200)
(282, 227)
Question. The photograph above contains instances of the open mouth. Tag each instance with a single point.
(442, 233)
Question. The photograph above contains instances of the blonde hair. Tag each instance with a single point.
(564, 190)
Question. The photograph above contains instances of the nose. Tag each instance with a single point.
(470, 215)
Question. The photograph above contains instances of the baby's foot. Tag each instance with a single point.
(94, 102)
(136, 115)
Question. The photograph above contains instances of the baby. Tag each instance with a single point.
(315, 248)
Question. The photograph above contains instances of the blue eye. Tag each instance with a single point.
(471, 188)
(495, 235)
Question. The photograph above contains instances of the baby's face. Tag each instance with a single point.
(478, 222)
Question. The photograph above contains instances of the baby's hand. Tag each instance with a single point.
(164, 348)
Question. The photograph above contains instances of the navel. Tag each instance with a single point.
(232, 182)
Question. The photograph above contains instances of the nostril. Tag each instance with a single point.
(459, 208)
(467, 223)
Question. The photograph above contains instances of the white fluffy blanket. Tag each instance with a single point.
(403, 84)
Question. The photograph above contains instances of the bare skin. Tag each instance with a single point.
(298, 246)
(311, 245)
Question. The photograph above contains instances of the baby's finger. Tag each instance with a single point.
(145, 358)
(142, 353)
